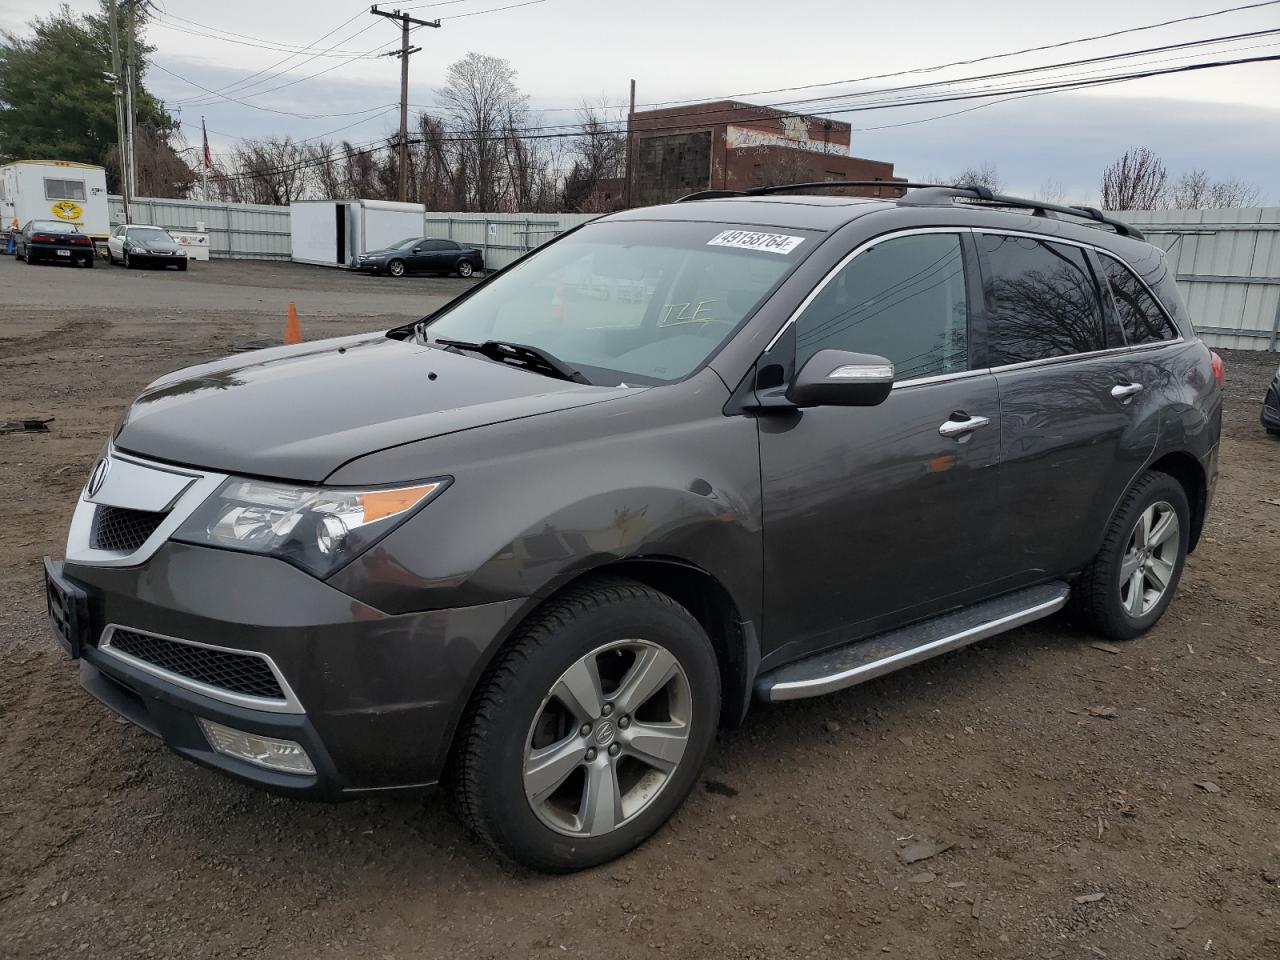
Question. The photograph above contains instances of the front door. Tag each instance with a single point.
(1076, 423)
(876, 516)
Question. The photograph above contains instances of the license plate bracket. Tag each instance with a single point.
(68, 609)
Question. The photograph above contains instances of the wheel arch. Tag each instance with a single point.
(734, 640)
(1189, 472)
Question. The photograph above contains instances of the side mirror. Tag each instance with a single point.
(838, 378)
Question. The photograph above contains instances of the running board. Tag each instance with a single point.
(862, 661)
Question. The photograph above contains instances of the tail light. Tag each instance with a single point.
(1219, 371)
(41, 238)
(76, 240)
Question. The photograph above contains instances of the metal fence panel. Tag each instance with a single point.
(503, 237)
(1228, 268)
(244, 231)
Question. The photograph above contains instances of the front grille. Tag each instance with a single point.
(115, 528)
(236, 672)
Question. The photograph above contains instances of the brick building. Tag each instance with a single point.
(730, 145)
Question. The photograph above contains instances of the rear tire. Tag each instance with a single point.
(465, 269)
(597, 798)
(89, 263)
(1127, 587)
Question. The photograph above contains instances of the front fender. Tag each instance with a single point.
(535, 505)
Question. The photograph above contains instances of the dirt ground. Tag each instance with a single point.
(1098, 804)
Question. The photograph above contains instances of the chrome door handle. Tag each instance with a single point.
(1123, 391)
(959, 429)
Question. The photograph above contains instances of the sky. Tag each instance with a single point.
(1226, 121)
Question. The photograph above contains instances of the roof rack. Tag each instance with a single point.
(936, 194)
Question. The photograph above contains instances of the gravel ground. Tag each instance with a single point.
(1096, 803)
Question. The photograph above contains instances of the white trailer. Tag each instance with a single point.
(55, 190)
(333, 233)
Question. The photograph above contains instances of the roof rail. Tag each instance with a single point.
(936, 194)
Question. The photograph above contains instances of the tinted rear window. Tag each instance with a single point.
(1042, 300)
(1140, 315)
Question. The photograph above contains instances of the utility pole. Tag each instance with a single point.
(626, 186)
(403, 53)
(118, 95)
(130, 72)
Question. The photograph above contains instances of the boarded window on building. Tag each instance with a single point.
(669, 167)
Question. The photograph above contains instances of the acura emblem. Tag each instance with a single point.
(99, 476)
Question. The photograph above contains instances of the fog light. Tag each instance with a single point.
(286, 756)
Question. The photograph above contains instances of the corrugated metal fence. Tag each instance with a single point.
(1228, 267)
(250, 231)
(1227, 261)
(243, 231)
(502, 236)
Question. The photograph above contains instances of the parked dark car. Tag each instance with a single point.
(1271, 407)
(52, 241)
(144, 246)
(545, 541)
(423, 255)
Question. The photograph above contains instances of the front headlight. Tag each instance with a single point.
(316, 528)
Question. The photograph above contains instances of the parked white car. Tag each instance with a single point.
(139, 245)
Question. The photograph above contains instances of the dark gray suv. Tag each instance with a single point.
(545, 541)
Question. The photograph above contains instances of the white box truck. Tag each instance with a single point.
(333, 233)
(55, 190)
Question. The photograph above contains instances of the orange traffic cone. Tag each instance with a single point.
(292, 329)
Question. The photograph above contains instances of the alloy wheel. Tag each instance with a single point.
(465, 269)
(1150, 558)
(607, 738)
(395, 268)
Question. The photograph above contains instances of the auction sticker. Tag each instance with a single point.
(750, 240)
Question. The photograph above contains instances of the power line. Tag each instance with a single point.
(1036, 90)
(227, 36)
(244, 85)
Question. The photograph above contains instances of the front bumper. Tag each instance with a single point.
(163, 259)
(1271, 407)
(372, 266)
(378, 695)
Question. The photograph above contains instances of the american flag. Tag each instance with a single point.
(208, 157)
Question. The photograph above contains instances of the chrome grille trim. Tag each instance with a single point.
(290, 703)
(194, 487)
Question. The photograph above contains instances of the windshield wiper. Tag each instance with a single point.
(530, 358)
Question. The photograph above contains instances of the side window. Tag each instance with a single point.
(63, 189)
(1042, 300)
(1140, 315)
(902, 299)
(435, 246)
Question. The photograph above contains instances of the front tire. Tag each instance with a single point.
(590, 728)
(128, 264)
(1128, 586)
(396, 268)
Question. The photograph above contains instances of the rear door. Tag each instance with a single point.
(875, 516)
(1073, 425)
(435, 255)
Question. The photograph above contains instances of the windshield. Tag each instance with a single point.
(401, 244)
(148, 234)
(631, 301)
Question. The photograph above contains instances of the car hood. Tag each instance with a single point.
(156, 244)
(300, 412)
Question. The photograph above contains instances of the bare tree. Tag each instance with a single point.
(986, 175)
(273, 170)
(481, 102)
(596, 155)
(1195, 190)
(1052, 191)
(1136, 181)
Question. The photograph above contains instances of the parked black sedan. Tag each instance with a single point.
(53, 241)
(423, 255)
(1271, 407)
